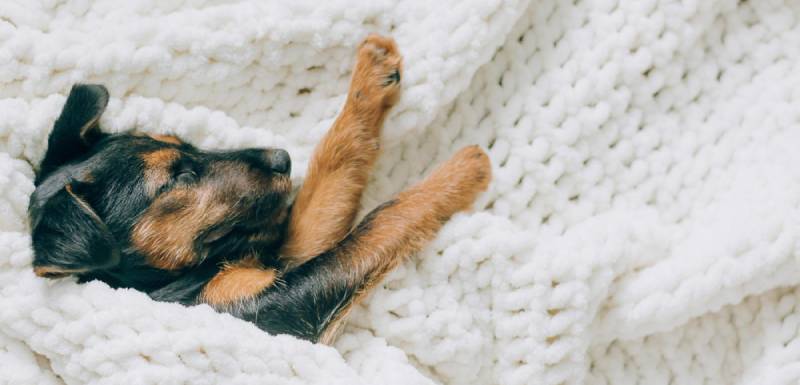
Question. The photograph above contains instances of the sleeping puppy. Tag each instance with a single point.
(155, 213)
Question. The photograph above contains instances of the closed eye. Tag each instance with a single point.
(185, 171)
(186, 177)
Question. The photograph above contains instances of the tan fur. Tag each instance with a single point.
(417, 214)
(88, 127)
(237, 282)
(420, 211)
(55, 271)
(167, 139)
(166, 239)
(326, 206)
(157, 168)
(166, 231)
(327, 203)
(335, 327)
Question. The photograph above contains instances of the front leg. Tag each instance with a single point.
(314, 299)
(328, 201)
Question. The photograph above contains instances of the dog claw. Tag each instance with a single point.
(394, 77)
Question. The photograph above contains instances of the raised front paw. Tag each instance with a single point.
(376, 77)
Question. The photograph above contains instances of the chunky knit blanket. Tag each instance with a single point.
(643, 226)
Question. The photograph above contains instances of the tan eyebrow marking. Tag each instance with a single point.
(171, 139)
(156, 168)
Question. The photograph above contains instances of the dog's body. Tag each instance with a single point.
(190, 226)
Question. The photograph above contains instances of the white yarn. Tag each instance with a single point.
(642, 226)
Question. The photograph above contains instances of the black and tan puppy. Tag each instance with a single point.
(157, 214)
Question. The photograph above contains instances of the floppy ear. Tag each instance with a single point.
(69, 237)
(76, 129)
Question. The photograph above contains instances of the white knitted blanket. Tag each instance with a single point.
(643, 225)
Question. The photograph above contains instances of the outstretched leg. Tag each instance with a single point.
(313, 299)
(327, 203)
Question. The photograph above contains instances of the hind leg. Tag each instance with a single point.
(316, 297)
(328, 201)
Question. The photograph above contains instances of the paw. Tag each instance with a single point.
(460, 179)
(471, 169)
(376, 77)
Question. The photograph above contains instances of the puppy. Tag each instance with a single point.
(155, 213)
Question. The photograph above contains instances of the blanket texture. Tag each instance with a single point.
(643, 226)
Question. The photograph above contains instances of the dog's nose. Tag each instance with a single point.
(279, 161)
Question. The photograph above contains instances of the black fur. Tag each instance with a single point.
(76, 129)
(90, 192)
(299, 307)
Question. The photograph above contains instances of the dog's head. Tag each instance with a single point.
(116, 203)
